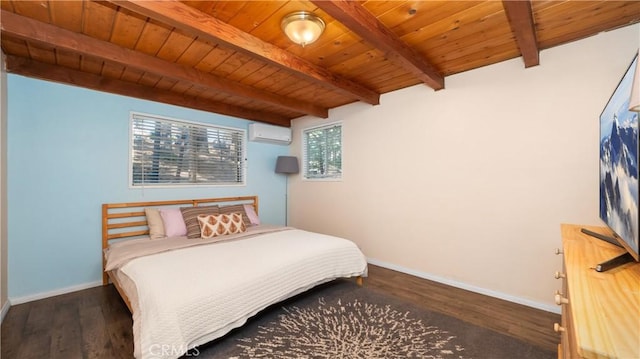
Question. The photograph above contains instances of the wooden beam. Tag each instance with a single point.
(187, 18)
(520, 18)
(53, 36)
(355, 17)
(31, 68)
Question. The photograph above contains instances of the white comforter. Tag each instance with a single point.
(193, 295)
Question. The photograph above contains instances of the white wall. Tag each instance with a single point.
(469, 185)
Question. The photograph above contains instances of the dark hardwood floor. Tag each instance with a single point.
(92, 323)
(528, 324)
(95, 323)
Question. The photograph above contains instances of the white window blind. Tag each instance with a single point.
(322, 152)
(168, 152)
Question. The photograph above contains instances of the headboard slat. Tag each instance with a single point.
(128, 234)
(125, 214)
(149, 203)
(127, 224)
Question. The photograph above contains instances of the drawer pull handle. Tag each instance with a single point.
(559, 275)
(557, 328)
(561, 300)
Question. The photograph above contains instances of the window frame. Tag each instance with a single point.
(243, 135)
(305, 166)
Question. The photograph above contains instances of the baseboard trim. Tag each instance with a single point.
(53, 293)
(472, 288)
(5, 310)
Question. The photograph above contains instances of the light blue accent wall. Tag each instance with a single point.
(68, 154)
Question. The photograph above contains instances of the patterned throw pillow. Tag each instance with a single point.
(190, 215)
(236, 208)
(220, 224)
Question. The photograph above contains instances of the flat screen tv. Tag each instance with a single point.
(619, 169)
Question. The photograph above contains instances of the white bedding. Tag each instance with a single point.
(193, 295)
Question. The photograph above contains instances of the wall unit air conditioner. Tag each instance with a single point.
(277, 135)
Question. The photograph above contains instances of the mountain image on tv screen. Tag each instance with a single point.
(619, 164)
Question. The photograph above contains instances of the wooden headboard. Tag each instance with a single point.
(126, 220)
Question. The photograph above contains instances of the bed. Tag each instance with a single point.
(184, 292)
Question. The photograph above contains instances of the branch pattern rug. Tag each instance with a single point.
(342, 320)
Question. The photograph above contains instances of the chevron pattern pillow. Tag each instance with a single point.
(221, 224)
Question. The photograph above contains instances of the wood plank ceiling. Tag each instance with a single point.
(232, 58)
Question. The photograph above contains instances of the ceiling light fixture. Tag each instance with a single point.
(302, 27)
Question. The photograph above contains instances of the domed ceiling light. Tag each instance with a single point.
(302, 27)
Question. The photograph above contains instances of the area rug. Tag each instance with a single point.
(342, 320)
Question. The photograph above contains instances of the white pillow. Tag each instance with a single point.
(155, 223)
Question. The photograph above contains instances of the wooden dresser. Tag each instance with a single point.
(600, 311)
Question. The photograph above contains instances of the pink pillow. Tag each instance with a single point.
(251, 213)
(173, 222)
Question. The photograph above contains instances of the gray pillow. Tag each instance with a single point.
(190, 215)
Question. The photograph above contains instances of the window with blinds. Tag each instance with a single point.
(168, 152)
(322, 152)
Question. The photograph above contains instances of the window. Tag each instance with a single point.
(167, 152)
(322, 152)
